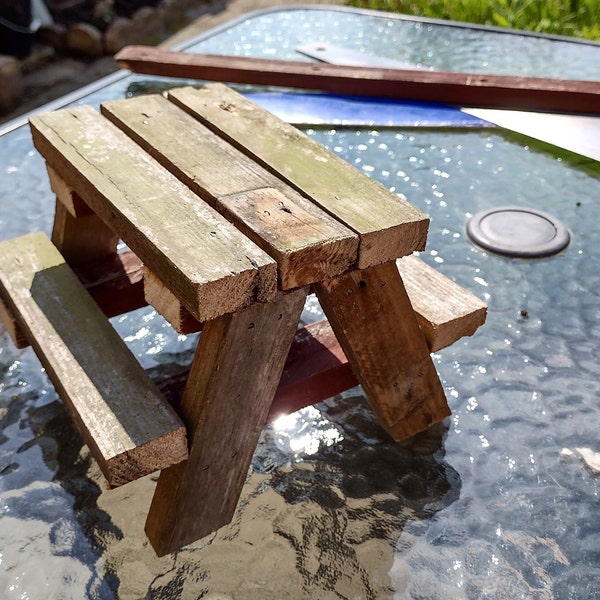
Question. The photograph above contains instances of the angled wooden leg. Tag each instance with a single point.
(79, 234)
(234, 376)
(374, 321)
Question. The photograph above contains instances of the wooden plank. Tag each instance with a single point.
(66, 195)
(445, 311)
(306, 242)
(129, 427)
(234, 376)
(83, 239)
(116, 283)
(372, 317)
(167, 305)
(463, 89)
(316, 369)
(80, 235)
(12, 327)
(388, 226)
(210, 266)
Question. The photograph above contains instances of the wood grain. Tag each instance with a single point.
(445, 311)
(306, 242)
(168, 305)
(207, 263)
(82, 239)
(9, 322)
(463, 89)
(387, 225)
(129, 427)
(372, 317)
(234, 376)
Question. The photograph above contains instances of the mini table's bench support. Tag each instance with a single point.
(233, 237)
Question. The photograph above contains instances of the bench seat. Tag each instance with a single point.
(129, 427)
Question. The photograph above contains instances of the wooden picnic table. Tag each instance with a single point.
(231, 218)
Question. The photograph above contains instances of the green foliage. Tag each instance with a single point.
(575, 18)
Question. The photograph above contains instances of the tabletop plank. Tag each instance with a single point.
(388, 226)
(208, 264)
(307, 243)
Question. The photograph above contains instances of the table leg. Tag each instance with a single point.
(234, 376)
(373, 319)
(78, 233)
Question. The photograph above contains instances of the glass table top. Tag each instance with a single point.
(498, 501)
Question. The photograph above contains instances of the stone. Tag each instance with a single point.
(119, 34)
(11, 83)
(85, 39)
(54, 35)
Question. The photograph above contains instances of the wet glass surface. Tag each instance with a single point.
(497, 502)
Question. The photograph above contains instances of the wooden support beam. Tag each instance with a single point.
(372, 317)
(462, 89)
(234, 376)
(82, 239)
(128, 425)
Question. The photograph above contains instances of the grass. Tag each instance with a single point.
(575, 18)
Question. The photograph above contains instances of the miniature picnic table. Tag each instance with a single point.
(235, 216)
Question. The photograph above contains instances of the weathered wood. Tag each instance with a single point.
(80, 235)
(372, 317)
(115, 283)
(445, 311)
(316, 369)
(129, 427)
(167, 304)
(207, 263)
(82, 239)
(306, 242)
(388, 226)
(234, 376)
(12, 327)
(463, 89)
(69, 198)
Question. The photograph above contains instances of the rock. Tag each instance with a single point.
(119, 34)
(54, 35)
(11, 83)
(85, 39)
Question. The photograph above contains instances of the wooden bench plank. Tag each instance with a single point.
(388, 226)
(129, 427)
(445, 311)
(209, 265)
(306, 242)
